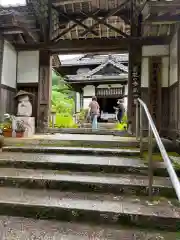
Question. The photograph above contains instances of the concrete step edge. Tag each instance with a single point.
(73, 150)
(74, 231)
(90, 208)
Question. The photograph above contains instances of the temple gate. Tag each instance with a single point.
(33, 35)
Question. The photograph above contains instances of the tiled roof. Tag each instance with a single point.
(92, 73)
(118, 65)
(122, 76)
(94, 59)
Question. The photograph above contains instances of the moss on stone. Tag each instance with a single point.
(1, 141)
(157, 156)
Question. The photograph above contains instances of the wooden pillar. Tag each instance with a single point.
(178, 90)
(134, 78)
(44, 90)
(1, 66)
(81, 98)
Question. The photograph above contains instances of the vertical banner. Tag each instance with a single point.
(135, 83)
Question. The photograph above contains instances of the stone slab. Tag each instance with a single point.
(90, 207)
(30, 229)
(75, 140)
(85, 182)
(81, 163)
(74, 159)
(89, 131)
(83, 137)
(88, 177)
(73, 150)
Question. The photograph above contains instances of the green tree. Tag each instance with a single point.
(62, 96)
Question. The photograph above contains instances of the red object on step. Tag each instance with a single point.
(19, 134)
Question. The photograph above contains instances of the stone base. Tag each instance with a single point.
(29, 123)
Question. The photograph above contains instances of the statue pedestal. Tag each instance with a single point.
(28, 123)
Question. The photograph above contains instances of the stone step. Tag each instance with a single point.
(89, 131)
(79, 163)
(95, 208)
(75, 140)
(73, 150)
(55, 230)
(85, 182)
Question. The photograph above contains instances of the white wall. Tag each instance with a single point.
(145, 71)
(155, 50)
(89, 91)
(9, 65)
(110, 85)
(86, 102)
(173, 61)
(78, 102)
(28, 67)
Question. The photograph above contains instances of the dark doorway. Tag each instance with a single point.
(107, 106)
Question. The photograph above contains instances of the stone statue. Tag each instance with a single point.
(24, 104)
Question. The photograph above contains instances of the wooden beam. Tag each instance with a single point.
(11, 32)
(111, 13)
(27, 31)
(62, 2)
(49, 37)
(111, 27)
(165, 18)
(22, 39)
(71, 27)
(16, 30)
(93, 45)
(78, 22)
(100, 13)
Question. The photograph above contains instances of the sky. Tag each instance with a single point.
(69, 56)
(12, 2)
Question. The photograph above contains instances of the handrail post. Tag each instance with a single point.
(168, 164)
(150, 161)
(137, 119)
(141, 132)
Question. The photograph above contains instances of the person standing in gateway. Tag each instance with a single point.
(94, 112)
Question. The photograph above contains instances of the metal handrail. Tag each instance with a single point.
(153, 130)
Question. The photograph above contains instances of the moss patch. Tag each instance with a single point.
(157, 156)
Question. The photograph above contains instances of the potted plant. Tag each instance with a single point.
(6, 126)
(20, 129)
(7, 130)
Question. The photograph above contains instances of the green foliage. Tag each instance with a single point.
(123, 125)
(64, 121)
(62, 102)
(82, 116)
(56, 79)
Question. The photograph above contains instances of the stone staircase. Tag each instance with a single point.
(84, 193)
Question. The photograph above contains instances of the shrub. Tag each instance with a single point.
(82, 116)
(123, 125)
(64, 121)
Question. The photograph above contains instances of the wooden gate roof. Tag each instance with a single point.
(61, 23)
